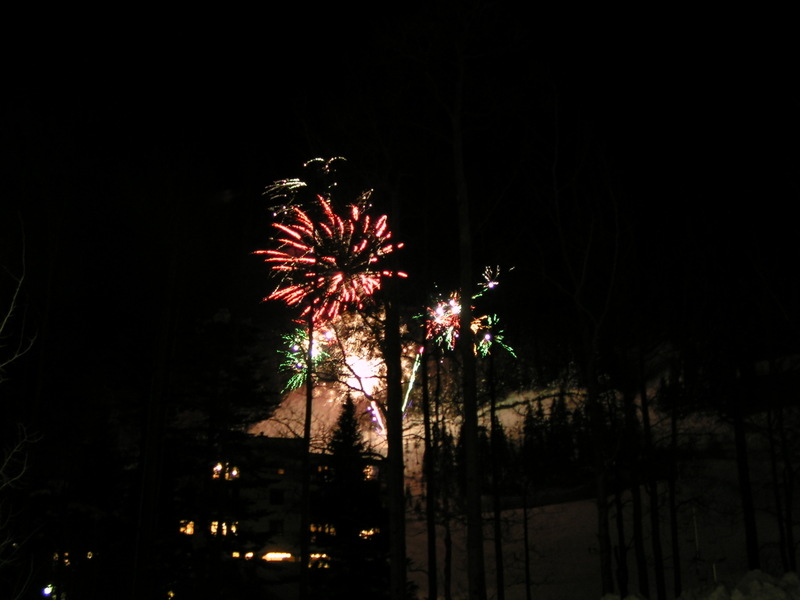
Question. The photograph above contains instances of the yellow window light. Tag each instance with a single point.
(365, 534)
(187, 527)
(225, 471)
(277, 556)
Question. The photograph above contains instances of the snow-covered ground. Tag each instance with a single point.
(565, 563)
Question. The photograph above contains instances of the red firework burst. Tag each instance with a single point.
(331, 264)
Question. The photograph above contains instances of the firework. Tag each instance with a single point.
(412, 377)
(488, 334)
(490, 281)
(289, 191)
(442, 323)
(344, 351)
(295, 355)
(331, 264)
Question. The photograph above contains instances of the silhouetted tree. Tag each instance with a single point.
(352, 502)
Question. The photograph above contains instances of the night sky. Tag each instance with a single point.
(135, 165)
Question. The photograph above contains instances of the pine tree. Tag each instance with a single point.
(351, 503)
(347, 447)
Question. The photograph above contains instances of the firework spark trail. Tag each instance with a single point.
(330, 265)
(412, 377)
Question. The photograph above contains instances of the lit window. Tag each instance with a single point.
(370, 472)
(281, 471)
(323, 528)
(235, 554)
(225, 471)
(187, 527)
(223, 527)
(248, 556)
(277, 556)
(319, 560)
(368, 533)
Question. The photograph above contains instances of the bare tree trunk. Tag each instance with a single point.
(430, 484)
(655, 533)
(776, 489)
(526, 541)
(788, 492)
(642, 573)
(496, 468)
(305, 484)
(745, 489)
(148, 511)
(596, 423)
(394, 404)
(677, 580)
(603, 534)
(475, 564)
(448, 555)
(652, 486)
(738, 399)
(631, 426)
(440, 434)
(622, 547)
